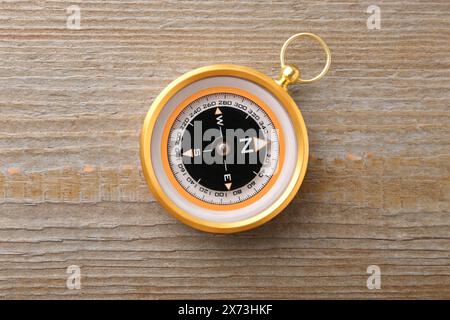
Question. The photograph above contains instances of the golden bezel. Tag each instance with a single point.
(239, 72)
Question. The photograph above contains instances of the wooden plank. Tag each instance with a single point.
(71, 189)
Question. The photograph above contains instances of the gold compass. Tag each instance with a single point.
(224, 148)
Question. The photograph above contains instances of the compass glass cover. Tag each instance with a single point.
(223, 147)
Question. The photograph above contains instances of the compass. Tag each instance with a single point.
(224, 148)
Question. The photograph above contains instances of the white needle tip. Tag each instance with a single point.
(259, 143)
(188, 153)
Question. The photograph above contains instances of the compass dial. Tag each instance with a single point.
(223, 147)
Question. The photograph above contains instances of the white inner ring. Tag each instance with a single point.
(285, 173)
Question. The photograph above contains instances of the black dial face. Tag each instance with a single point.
(223, 148)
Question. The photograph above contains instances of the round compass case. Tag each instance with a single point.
(224, 148)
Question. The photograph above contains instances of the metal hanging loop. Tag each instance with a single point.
(290, 73)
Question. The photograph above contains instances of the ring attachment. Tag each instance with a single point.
(290, 74)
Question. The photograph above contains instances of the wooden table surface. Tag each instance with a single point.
(72, 102)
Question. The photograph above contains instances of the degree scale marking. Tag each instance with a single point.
(192, 185)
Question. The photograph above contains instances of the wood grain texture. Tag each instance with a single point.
(71, 189)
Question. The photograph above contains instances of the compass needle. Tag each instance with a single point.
(259, 143)
(188, 153)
